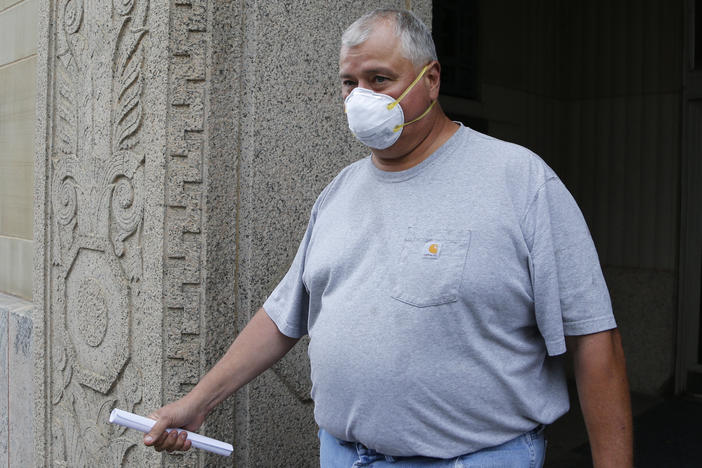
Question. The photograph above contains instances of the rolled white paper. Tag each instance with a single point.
(142, 424)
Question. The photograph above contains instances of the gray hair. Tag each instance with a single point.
(415, 38)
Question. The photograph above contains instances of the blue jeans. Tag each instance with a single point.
(526, 451)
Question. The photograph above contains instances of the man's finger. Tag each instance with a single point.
(156, 432)
(183, 441)
(171, 441)
(178, 441)
(161, 440)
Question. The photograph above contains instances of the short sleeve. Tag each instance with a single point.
(288, 304)
(570, 293)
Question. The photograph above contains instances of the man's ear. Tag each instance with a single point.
(433, 79)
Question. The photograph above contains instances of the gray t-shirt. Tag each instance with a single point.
(434, 298)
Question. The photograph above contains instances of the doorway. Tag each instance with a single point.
(595, 89)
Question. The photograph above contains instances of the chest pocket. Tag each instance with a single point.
(430, 268)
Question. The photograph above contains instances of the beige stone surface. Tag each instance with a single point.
(5, 4)
(16, 266)
(17, 111)
(15, 206)
(18, 30)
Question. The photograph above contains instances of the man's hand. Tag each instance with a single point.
(259, 345)
(603, 390)
(183, 413)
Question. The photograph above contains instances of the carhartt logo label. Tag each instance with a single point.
(432, 249)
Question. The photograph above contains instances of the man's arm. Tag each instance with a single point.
(603, 390)
(259, 345)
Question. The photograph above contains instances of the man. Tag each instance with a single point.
(436, 280)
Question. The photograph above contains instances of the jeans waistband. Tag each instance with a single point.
(368, 454)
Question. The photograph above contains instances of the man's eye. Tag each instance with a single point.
(348, 83)
(380, 79)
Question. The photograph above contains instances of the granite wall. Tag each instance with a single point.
(16, 365)
(180, 145)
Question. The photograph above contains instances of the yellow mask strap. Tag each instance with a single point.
(409, 88)
(399, 127)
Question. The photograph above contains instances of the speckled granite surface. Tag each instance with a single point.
(16, 383)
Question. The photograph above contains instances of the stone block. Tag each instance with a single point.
(4, 404)
(17, 109)
(16, 369)
(20, 387)
(16, 266)
(18, 30)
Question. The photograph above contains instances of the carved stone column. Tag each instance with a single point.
(180, 146)
(124, 85)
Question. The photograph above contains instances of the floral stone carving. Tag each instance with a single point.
(96, 203)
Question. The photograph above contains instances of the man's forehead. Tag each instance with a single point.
(381, 41)
(369, 57)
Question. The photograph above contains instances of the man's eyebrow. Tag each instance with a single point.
(371, 71)
(380, 70)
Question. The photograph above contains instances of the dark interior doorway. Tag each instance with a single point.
(609, 94)
(595, 89)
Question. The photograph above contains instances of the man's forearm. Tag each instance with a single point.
(603, 390)
(259, 345)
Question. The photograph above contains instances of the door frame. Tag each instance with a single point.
(688, 368)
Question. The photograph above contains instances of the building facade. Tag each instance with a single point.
(159, 158)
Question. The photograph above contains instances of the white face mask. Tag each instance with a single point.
(377, 119)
